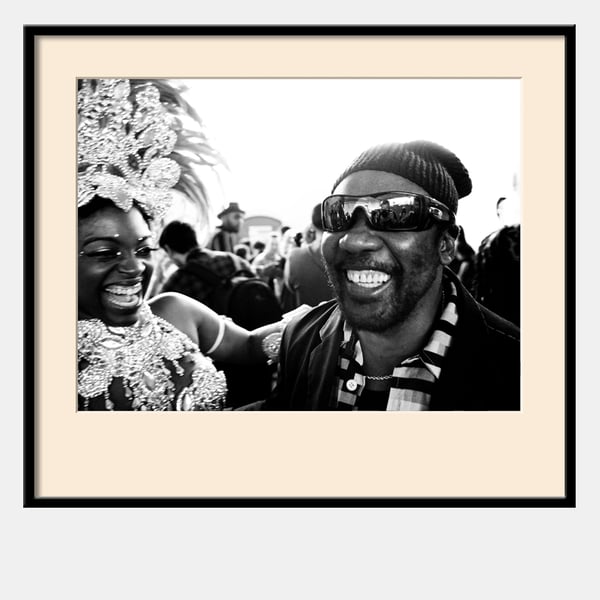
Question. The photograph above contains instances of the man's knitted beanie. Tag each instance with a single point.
(434, 168)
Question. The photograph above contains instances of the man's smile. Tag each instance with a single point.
(367, 278)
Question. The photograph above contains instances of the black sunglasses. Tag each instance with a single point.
(385, 211)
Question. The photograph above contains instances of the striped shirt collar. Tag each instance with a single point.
(414, 378)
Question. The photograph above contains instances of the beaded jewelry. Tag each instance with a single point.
(144, 356)
(122, 150)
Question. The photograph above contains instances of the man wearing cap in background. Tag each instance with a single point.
(403, 333)
(225, 237)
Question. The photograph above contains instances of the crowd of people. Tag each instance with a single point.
(378, 304)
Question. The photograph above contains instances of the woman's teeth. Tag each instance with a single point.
(124, 295)
(367, 278)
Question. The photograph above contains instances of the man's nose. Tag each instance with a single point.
(360, 237)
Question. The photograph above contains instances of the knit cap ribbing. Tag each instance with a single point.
(434, 168)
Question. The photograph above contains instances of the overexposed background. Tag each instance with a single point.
(287, 140)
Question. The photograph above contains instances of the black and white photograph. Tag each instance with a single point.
(329, 226)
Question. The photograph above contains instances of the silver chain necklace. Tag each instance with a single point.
(386, 377)
(379, 377)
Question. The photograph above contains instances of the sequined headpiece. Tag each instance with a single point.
(123, 146)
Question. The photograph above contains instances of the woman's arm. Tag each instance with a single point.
(216, 335)
(260, 345)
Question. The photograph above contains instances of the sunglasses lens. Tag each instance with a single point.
(397, 214)
(336, 213)
(386, 212)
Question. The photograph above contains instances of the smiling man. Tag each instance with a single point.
(403, 333)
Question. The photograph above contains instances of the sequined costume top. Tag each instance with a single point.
(150, 365)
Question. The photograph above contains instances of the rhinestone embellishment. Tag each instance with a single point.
(123, 147)
(148, 358)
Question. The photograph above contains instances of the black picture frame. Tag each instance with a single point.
(31, 35)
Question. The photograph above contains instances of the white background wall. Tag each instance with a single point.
(287, 140)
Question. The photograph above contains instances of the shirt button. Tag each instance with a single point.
(351, 385)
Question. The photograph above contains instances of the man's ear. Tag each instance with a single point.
(447, 244)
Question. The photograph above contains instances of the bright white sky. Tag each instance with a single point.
(287, 140)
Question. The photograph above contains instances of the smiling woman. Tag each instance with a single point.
(115, 262)
(134, 354)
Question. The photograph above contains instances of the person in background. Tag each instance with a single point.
(402, 333)
(507, 210)
(246, 242)
(178, 239)
(287, 243)
(242, 251)
(463, 263)
(270, 264)
(225, 237)
(257, 247)
(304, 272)
(496, 281)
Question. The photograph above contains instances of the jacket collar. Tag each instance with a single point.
(323, 363)
(467, 352)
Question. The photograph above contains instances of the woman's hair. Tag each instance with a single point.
(98, 203)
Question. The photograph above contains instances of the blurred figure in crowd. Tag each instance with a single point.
(463, 263)
(257, 248)
(246, 242)
(508, 210)
(288, 242)
(304, 272)
(225, 237)
(242, 251)
(496, 279)
(179, 241)
(272, 260)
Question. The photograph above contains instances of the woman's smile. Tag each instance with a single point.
(124, 296)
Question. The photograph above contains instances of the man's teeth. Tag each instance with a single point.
(125, 290)
(368, 278)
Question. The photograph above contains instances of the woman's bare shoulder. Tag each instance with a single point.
(167, 300)
(180, 310)
(191, 317)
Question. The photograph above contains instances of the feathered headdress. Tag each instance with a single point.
(137, 141)
(123, 146)
(193, 151)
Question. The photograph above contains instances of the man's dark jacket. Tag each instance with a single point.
(481, 370)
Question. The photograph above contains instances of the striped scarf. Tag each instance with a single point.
(413, 379)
